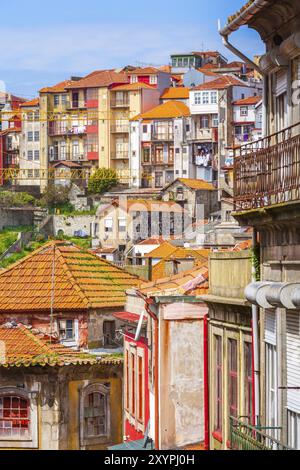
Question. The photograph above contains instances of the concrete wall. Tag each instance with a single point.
(70, 224)
(16, 217)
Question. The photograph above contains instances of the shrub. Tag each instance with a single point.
(102, 180)
(10, 199)
(55, 196)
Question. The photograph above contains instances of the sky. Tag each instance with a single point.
(42, 45)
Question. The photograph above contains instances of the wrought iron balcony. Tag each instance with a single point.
(243, 436)
(267, 172)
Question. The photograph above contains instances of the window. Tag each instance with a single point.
(109, 333)
(145, 129)
(233, 378)
(30, 155)
(146, 155)
(75, 148)
(108, 225)
(56, 100)
(14, 417)
(122, 225)
(159, 179)
(294, 430)
(153, 80)
(36, 173)
(218, 383)
(214, 97)
(215, 120)
(204, 122)
(159, 154)
(36, 155)
(271, 389)
(135, 386)
(64, 99)
(197, 98)
(66, 330)
(30, 173)
(36, 115)
(134, 79)
(248, 380)
(205, 97)
(36, 136)
(244, 110)
(95, 413)
(30, 136)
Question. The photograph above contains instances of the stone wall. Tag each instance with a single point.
(71, 224)
(16, 217)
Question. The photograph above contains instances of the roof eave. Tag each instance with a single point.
(245, 17)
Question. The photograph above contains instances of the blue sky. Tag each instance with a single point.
(43, 45)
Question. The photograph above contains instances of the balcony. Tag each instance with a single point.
(204, 135)
(243, 436)
(267, 172)
(76, 104)
(119, 103)
(120, 155)
(163, 136)
(120, 128)
(67, 156)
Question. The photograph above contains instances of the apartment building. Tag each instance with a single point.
(247, 117)
(159, 79)
(182, 62)
(29, 161)
(152, 138)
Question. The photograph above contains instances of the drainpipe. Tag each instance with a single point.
(255, 341)
(239, 54)
(206, 384)
(152, 315)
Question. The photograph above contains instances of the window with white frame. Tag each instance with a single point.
(67, 330)
(15, 420)
(30, 136)
(198, 98)
(294, 430)
(30, 155)
(36, 155)
(122, 224)
(244, 110)
(153, 80)
(214, 97)
(56, 100)
(108, 225)
(134, 79)
(215, 120)
(205, 97)
(95, 414)
(36, 136)
(271, 389)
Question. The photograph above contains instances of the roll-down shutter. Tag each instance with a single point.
(281, 82)
(293, 360)
(270, 327)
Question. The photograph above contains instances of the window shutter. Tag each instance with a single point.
(281, 82)
(270, 327)
(293, 360)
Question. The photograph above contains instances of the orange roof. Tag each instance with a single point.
(193, 282)
(26, 347)
(30, 104)
(165, 68)
(168, 110)
(242, 246)
(197, 184)
(58, 88)
(207, 54)
(82, 281)
(134, 87)
(220, 83)
(252, 100)
(99, 79)
(146, 71)
(176, 93)
(207, 72)
(168, 251)
(153, 205)
(163, 251)
(10, 130)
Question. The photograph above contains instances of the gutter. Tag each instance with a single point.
(255, 345)
(239, 54)
(245, 16)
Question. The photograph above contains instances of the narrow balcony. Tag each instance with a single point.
(76, 104)
(243, 436)
(120, 154)
(119, 103)
(120, 128)
(267, 172)
(163, 136)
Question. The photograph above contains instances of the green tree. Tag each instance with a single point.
(55, 196)
(11, 199)
(102, 180)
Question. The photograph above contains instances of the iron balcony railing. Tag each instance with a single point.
(163, 136)
(243, 436)
(119, 103)
(267, 172)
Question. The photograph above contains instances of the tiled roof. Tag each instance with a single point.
(168, 110)
(102, 78)
(82, 281)
(68, 164)
(242, 246)
(146, 71)
(193, 282)
(30, 104)
(11, 130)
(134, 87)
(129, 317)
(58, 88)
(220, 83)
(248, 101)
(24, 347)
(207, 54)
(176, 93)
(163, 251)
(197, 184)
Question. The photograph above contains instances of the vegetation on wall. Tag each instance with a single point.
(255, 254)
(11, 199)
(102, 180)
(55, 196)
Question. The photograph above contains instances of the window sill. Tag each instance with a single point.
(218, 437)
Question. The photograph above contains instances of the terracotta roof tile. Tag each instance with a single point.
(176, 93)
(252, 100)
(221, 83)
(31, 104)
(82, 281)
(24, 347)
(197, 184)
(168, 110)
(134, 87)
(99, 79)
(58, 88)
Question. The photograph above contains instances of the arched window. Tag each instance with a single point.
(14, 416)
(95, 413)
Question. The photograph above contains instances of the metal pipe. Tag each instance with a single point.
(255, 335)
(239, 54)
(206, 384)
